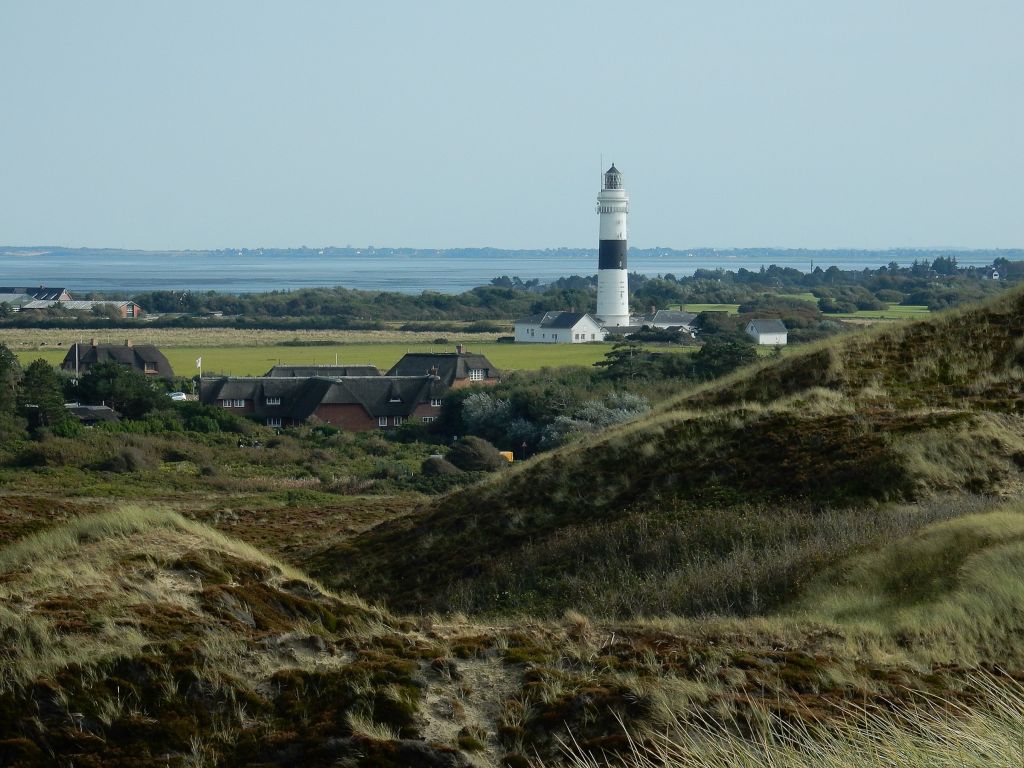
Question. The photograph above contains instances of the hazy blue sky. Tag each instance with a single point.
(441, 124)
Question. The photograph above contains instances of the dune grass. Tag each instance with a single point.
(934, 734)
(69, 593)
(955, 588)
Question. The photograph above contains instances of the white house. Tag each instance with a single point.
(667, 318)
(559, 328)
(768, 332)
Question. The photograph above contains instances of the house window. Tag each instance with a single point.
(592, 337)
(149, 367)
(399, 420)
(554, 335)
(382, 421)
(476, 374)
(394, 399)
(238, 403)
(273, 401)
(226, 403)
(435, 402)
(428, 419)
(274, 421)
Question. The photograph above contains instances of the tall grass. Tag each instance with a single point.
(954, 588)
(986, 733)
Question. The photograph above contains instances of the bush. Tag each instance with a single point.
(473, 454)
(436, 466)
(127, 460)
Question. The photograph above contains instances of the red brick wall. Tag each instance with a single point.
(350, 417)
(424, 409)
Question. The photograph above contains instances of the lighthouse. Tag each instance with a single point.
(612, 278)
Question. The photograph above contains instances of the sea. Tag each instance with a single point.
(402, 270)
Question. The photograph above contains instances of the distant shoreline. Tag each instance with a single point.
(406, 270)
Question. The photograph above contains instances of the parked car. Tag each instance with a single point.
(177, 396)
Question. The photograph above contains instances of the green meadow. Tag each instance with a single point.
(892, 312)
(257, 360)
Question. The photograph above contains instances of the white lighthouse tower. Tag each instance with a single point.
(612, 278)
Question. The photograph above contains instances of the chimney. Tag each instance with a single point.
(127, 342)
(94, 341)
(653, 310)
(459, 349)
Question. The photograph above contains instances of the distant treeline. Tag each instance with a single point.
(938, 283)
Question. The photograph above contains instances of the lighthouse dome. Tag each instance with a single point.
(613, 178)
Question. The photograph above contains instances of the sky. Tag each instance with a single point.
(806, 124)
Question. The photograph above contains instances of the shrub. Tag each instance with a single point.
(376, 446)
(437, 466)
(127, 460)
(474, 454)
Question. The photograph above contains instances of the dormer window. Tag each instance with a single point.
(149, 367)
(272, 401)
(477, 374)
(394, 399)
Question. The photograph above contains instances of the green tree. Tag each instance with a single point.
(41, 396)
(10, 376)
(128, 392)
(625, 360)
(10, 381)
(717, 358)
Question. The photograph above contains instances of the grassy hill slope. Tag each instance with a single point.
(734, 482)
(137, 638)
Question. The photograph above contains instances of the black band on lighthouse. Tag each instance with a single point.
(611, 254)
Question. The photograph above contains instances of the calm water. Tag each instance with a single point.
(447, 272)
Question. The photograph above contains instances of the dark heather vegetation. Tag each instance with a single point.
(814, 558)
(937, 282)
(728, 498)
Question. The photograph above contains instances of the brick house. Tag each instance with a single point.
(355, 403)
(144, 358)
(455, 369)
(41, 293)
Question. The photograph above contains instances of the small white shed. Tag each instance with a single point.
(771, 333)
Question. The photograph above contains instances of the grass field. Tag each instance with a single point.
(892, 312)
(255, 360)
(808, 297)
(732, 309)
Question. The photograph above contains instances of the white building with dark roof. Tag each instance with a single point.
(768, 332)
(559, 328)
(669, 318)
